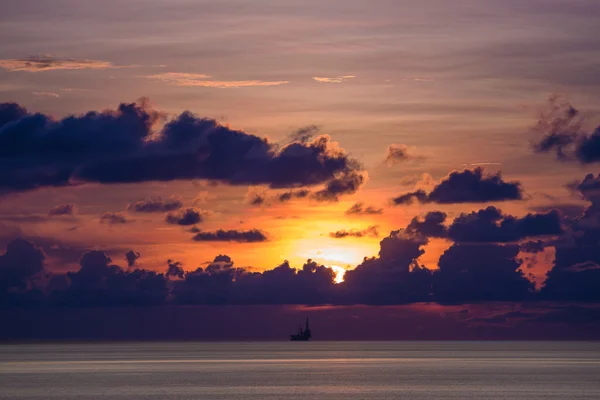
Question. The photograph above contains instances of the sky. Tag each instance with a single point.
(429, 132)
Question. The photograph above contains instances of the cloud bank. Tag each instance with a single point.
(125, 146)
(467, 186)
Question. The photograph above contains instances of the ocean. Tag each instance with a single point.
(301, 370)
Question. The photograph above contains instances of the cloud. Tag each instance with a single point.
(480, 272)
(100, 284)
(468, 272)
(422, 181)
(21, 261)
(304, 134)
(132, 257)
(175, 270)
(189, 216)
(49, 63)
(394, 277)
(155, 204)
(256, 197)
(419, 195)
(292, 194)
(566, 209)
(487, 225)
(250, 236)
(45, 94)
(431, 226)
(561, 126)
(222, 283)
(125, 146)
(113, 218)
(573, 284)
(345, 184)
(467, 186)
(575, 275)
(398, 153)
(472, 186)
(371, 231)
(260, 197)
(361, 209)
(11, 112)
(533, 246)
(337, 79)
(63, 209)
(195, 80)
(589, 187)
(491, 225)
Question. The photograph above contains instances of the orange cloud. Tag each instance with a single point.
(337, 79)
(49, 63)
(193, 80)
(45, 94)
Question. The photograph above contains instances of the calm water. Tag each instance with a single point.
(317, 370)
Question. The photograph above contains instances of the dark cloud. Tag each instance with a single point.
(63, 209)
(99, 284)
(250, 236)
(408, 198)
(113, 218)
(480, 272)
(589, 187)
(491, 225)
(175, 270)
(432, 225)
(394, 277)
(256, 199)
(155, 204)
(304, 134)
(398, 153)
(566, 209)
(533, 246)
(486, 225)
(214, 285)
(21, 261)
(371, 231)
(311, 284)
(189, 216)
(348, 183)
(362, 209)
(467, 186)
(292, 194)
(223, 258)
(575, 275)
(222, 283)
(122, 146)
(561, 125)
(11, 112)
(132, 257)
(579, 282)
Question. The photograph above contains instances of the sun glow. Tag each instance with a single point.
(339, 273)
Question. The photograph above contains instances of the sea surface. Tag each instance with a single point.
(295, 370)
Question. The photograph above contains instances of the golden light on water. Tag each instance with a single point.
(339, 273)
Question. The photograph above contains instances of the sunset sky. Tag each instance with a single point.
(381, 98)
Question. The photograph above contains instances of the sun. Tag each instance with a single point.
(339, 273)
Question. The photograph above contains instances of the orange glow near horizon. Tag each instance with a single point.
(346, 252)
(339, 273)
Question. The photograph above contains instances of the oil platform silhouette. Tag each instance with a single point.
(302, 335)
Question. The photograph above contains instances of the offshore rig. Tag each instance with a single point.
(303, 335)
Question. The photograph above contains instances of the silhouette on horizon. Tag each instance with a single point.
(302, 335)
